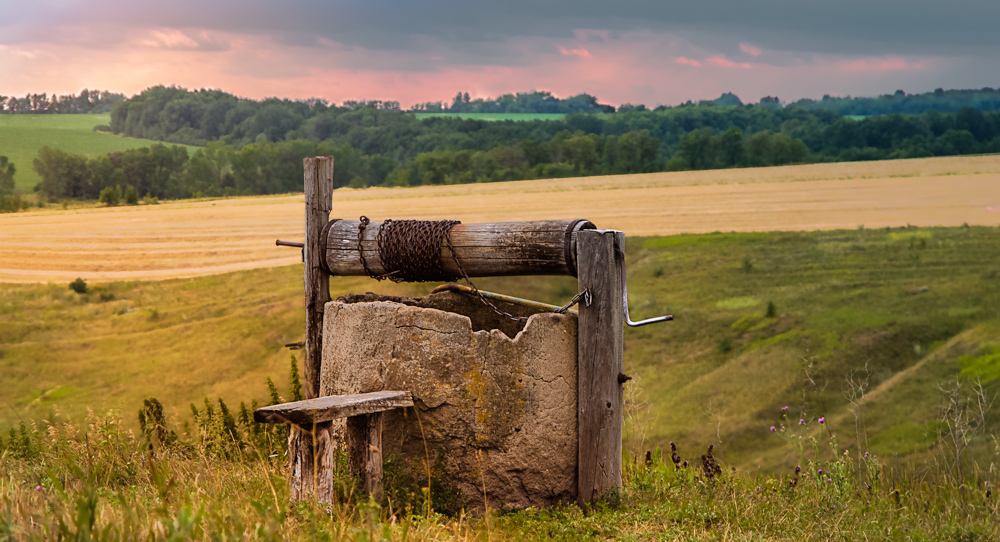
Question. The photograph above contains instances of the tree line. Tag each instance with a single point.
(584, 145)
(256, 147)
(522, 102)
(943, 101)
(87, 101)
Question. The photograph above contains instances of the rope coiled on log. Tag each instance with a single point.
(410, 250)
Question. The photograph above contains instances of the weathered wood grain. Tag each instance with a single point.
(332, 407)
(319, 200)
(310, 450)
(544, 247)
(600, 353)
(364, 451)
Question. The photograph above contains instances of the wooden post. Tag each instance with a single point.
(600, 354)
(310, 451)
(319, 201)
(364, 440)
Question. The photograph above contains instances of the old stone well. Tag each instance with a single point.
(495, 399)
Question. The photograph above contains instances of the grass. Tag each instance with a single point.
(494, 116)
(903, 309)
(98, 481)
(21, 137)
(870, 331)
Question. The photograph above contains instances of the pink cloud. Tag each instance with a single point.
(720, 60)
(749, 49)
(877, 64)
(574, 52)
(631, 67)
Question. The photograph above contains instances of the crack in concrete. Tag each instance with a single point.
(399, 326)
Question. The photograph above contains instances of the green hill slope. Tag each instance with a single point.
(863, 328)
(21, 136)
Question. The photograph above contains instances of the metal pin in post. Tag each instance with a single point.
(280, 243)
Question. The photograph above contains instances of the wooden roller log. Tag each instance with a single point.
(545, 247)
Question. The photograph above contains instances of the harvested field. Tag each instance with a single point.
(206, 237)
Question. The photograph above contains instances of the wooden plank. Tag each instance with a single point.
(600, 354)
(310, 450)
(332, 407)
(491, 249)
(364, 451)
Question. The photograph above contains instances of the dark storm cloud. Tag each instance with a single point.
(473, 31)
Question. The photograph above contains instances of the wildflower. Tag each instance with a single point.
(866, 455)
(38, 487)
(820, 471)
(801, 421)
(772, 428)
(821, 420)
(784, 408)
(829, 480)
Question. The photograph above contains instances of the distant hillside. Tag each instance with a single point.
(22, 136)
(864, 329)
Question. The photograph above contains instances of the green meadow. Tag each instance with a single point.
(21, 137)
(762, 321)
(494, 116)
(873, 355)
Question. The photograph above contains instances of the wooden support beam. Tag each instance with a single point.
(364, 451)
(332, 407)
(600, 354)
(310, 450)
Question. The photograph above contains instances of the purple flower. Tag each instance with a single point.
(801, 421)
(772, 428)
(829, 480)
(820, 471)
(821, 420)
(38, 487)
(784, 408)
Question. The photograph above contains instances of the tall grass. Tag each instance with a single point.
(96, 480)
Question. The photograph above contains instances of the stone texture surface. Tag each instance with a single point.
(493, 410)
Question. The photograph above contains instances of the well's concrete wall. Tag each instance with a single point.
(494, 410)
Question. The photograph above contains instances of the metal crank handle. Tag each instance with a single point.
(621, 256)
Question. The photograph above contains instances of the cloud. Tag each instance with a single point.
(877, 64)
(749, 49)
(721, 60)
(637, 51)
(172, 38)
(574, 52)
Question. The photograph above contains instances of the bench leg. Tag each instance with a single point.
(311, 473)
(364, 436)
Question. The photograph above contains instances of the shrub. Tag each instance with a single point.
(110, 195)
(131, 196)
(79, 286)
(771, 310)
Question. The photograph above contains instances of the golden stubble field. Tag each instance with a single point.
(206, 237)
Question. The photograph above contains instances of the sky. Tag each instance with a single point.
(629, 51)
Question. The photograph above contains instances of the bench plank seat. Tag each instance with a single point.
(331, 407)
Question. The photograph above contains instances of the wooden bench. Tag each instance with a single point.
(364, 418)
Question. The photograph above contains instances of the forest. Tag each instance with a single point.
(256, 147)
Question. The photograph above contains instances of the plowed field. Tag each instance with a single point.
(197, 238)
